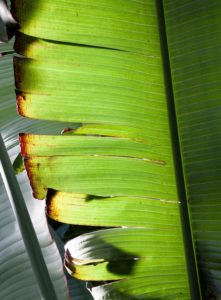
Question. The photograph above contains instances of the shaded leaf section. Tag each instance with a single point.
(17, 278)
(195, 63)
(109, 24)
(130, 254)
(18, 164)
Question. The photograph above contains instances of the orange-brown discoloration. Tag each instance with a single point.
(39, 190)
(29, 173)
(23, 144)
(20, 103)
(51, 207)
(20, 97)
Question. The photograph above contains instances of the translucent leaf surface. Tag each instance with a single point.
(106, 64)
(122, 93)
(17, 278)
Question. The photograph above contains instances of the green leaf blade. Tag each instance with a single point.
(194, 47)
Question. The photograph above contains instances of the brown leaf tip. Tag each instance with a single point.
(21, 103)
(23, 144)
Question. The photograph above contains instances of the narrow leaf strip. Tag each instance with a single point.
(101, 176)
(98, 23)
(116, 211)
(46, 145)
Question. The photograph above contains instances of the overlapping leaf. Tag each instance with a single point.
(122, 156)
(17, 278)
(193, 29)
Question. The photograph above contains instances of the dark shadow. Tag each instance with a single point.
(121, 267)
(51, 193)
(73, 230)
(119, 261)
(30, 8)
(94, 197)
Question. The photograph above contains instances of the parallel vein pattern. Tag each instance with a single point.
(17, 280)
(100, 63)
(194, 30)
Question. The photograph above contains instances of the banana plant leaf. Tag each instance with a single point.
(143, 79)
(17, 277)
(196, 76)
